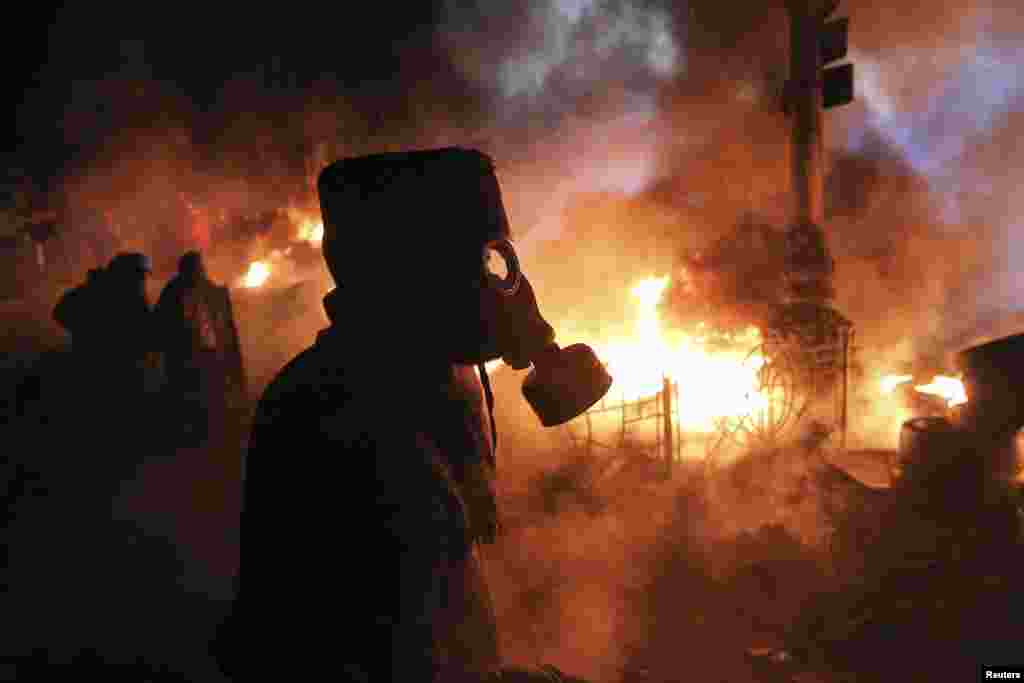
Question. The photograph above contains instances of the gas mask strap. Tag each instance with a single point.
(489, 396)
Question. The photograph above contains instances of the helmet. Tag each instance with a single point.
(131, 262)
(191, 264)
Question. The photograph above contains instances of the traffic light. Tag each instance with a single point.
(836, 81)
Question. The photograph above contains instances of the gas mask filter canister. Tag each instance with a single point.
(563, 383)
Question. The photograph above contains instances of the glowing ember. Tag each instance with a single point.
(715, 383)
(257, 274)
(949, 388)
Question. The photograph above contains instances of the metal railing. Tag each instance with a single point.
(661, 408)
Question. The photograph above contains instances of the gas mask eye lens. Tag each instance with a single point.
(502, 266)
(495, 263)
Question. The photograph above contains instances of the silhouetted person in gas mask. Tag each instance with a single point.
(368, 491)
(202, 360)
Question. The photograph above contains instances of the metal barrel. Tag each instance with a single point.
(924, 443)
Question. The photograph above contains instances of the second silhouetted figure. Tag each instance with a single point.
(200, 343)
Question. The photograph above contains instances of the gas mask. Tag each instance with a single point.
(563, 383)
(480, 306)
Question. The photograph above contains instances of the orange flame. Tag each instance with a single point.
(949, 388)
(312, 232)
(257, 275)
(889, 383)
(716, 383)
(308, 226)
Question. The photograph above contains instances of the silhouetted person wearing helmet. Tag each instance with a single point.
(76, 313)
(128, 315)
(201, 358)
(368, 485)
(110, 320)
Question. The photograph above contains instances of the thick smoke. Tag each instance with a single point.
(627, 134)
(942, 101)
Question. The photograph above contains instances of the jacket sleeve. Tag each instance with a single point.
(164, 314)
(421, 595)
(428, 530)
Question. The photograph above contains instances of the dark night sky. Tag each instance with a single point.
(94, 73)
(77, 80)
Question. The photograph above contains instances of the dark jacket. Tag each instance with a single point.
(193, 316)
(367, 489)
(108, 316)
(187, 328)
(76, 312)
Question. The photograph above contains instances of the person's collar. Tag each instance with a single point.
(332, 305)
(347, 331)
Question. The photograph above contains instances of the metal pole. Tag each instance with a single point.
(666, 392)
(658, 424)
(679, 421)
(622, 433)
(804, 105)
(804, 101)
(847, 342)
(590, 434)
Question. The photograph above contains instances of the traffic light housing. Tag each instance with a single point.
(836, 81)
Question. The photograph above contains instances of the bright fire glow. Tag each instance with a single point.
(308, 226)
(949, 388)
(311, 231)
(719, 383)
(890, 382)
(258, 273)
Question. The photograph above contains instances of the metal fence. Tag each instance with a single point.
(803, 384)
(659, 413)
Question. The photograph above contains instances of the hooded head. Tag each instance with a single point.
(131, 264)
(428, 229)
(191, 267)
(130, 269)
(420, 247)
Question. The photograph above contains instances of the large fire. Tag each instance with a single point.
(720, 382)
(951, 389)
(306, 227)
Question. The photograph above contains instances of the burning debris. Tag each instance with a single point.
(950, 389)
(654, 351)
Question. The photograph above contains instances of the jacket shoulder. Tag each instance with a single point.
(291, 381)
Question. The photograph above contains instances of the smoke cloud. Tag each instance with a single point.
(626, 134)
